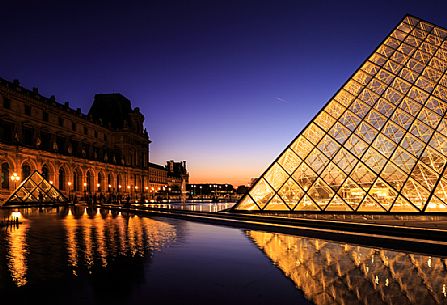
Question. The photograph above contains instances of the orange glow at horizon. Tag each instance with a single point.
(234, 173)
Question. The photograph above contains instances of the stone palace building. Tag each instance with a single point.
(103, 152)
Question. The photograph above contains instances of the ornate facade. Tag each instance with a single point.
(103, 152)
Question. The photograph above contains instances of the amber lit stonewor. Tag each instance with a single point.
(105, 152)
(380, 144)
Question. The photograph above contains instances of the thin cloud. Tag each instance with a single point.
(280, 100)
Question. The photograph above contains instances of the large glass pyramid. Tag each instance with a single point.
(35, 189)
(379, 145)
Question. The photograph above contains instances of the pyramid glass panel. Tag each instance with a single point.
(35, 189)
(291, 193)
(380, 144)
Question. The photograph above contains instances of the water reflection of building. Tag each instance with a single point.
(102, 152)
(53, 243)
(335, 273)
(94, 236)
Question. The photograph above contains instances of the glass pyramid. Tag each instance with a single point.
(379, 145)
(28, 191)
(336, 273)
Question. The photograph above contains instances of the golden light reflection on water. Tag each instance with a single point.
(17, 251)
(336, 273)
(92, 239)
(105, 236)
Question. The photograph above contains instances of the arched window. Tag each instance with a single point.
(109, 182)
(46, 172)
(89, 181)
(76, 181)
(100, 178)
(26, 170)
(5, 176)
(61, 179)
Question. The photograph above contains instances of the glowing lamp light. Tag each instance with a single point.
(51, 182)
(119, 186)
(110, 185)
(15, 177)
(128, 186)
(97, 184)
(16, 215)
(69, 183)
(85, 183)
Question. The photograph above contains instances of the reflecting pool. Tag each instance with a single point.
(78, 255)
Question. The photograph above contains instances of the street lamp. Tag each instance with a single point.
(15, 178)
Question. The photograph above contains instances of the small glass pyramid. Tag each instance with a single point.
(379, 145)
(35, 189)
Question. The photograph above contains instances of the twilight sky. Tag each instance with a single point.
(224, 84)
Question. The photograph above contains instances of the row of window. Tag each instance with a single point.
(76, 183)
(45, 118)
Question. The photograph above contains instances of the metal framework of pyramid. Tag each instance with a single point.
(337, 273)
(379, 145)
(28, 191)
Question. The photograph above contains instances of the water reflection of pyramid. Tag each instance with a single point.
(336, 273)
(380, 144)
(28, 191)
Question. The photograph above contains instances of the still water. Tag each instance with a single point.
(92, 256)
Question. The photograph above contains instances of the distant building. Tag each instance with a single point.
(209, 190)
(106, 151)
(173, 177)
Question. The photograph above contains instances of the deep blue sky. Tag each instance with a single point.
(224, 85)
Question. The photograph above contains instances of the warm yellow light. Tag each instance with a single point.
(51, 182)
(119, 186)
(97, 184)
(85, 183)
(15, 177)
(110, 185)
(69, 183)
(136, 187)
(128, 186)
(16, 215)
